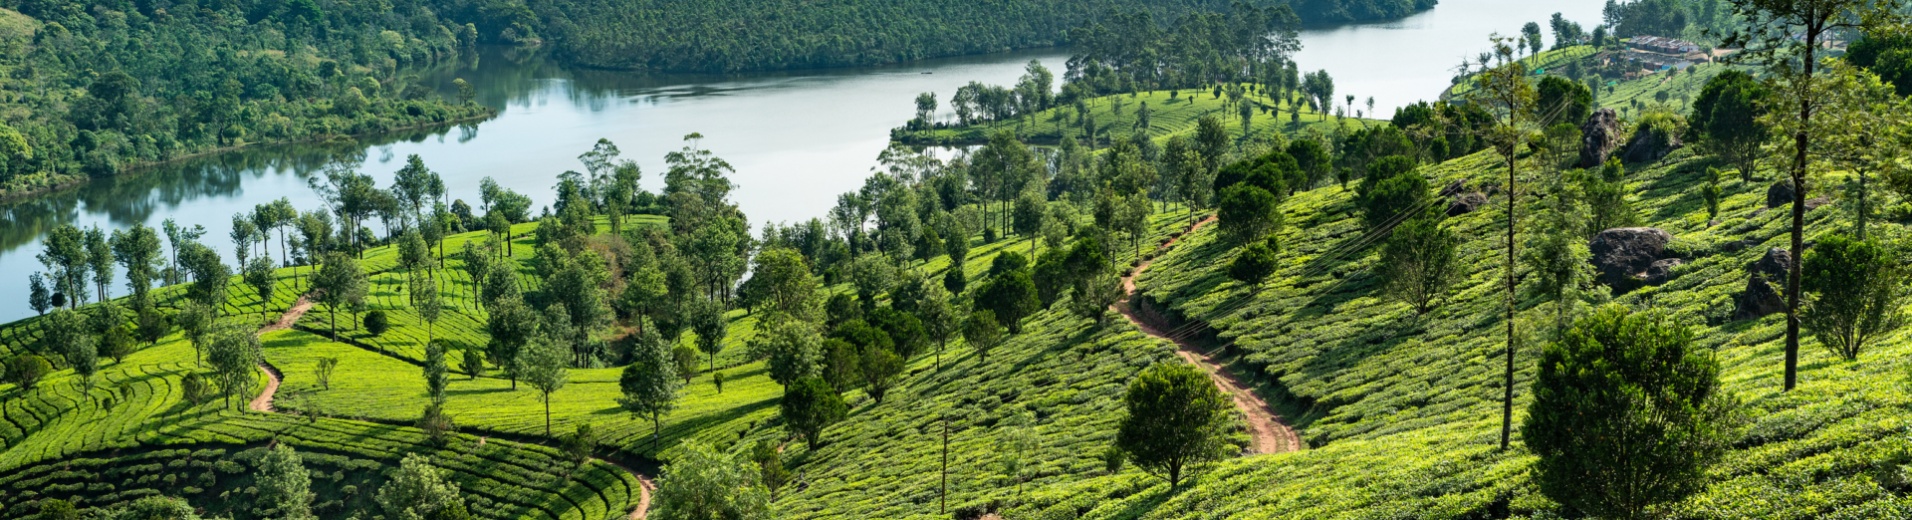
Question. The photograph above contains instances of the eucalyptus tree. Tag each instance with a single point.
(1786, 37)
(99, 260)
(1508, 93)
(63, 252)
(138, 252)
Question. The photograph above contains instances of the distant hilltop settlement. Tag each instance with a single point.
(1651, 54)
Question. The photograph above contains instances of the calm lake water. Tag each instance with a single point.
(796, 139)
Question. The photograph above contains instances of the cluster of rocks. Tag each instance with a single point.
(1627, 258)
(1464, 198)
(1630, 258)
(1599, 136)
(1765, 278)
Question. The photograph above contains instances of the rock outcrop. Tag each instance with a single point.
(1662, 270)
(1779, 194)
(1466, 203)
(1649, 145)
(1457, 187)
(1773, 266)
(1599, 136)
(1759, 299)
(1623, 255)
(1765, 282)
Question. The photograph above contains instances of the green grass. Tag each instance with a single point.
(60, 422)
(1547, 62)
(372, 386)
(96, 445)
(1167, 117)
(1634, 97)
(1404, 414)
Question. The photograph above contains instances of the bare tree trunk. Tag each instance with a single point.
(1800, 143)
(1507, 398)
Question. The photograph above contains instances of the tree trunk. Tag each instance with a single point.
(1800, 142)
(1507, 398)
(1862, 204)
(547, 415)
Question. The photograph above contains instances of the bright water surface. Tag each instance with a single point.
(796, 138)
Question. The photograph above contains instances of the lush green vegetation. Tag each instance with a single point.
(95, 88)
(941, 343)
(134, 433)
(729, 35)
(1170, 113)
(1403, 409)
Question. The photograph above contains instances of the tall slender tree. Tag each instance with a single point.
(1506, 89)
(1785, 36)
(649, 384)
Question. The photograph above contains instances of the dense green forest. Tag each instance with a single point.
(1572, 288)
(735, 35)
(96, 88)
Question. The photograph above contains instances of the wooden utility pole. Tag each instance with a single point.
(944, 509)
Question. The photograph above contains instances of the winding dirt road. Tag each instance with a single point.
(263, 403)
(1269, 434)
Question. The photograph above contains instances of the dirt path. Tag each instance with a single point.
(263, 403)
(1267, 431)
(290, 317)
(644, 487)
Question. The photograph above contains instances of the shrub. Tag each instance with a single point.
(1855, 292)
(1255, 263)
(1418, 262)
(377, 323)
(1394, 185)
(1626, 414)
(1175, 420)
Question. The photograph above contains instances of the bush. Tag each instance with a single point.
(1626, 414)
(377, 323)
(1394, 185)
(1418, 262)
(1855, 292)
(1255, 263)
(1112, 459)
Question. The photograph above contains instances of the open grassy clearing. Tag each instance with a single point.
(1168, 117)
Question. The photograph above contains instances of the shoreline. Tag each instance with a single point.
(76, 181)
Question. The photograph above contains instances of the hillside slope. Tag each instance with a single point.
(1404, 412)
(735, 35)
